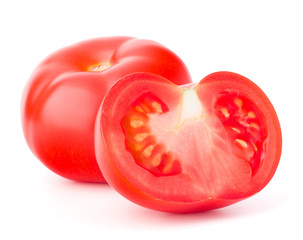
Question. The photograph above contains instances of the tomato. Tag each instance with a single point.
(62, 97)
(187, 148)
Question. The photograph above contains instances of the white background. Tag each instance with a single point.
(261, 40)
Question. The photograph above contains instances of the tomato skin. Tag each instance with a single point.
(62, 97)
(136, 184)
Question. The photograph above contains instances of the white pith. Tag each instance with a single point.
(191, 108)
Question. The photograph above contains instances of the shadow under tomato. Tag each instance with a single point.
(100, 204)
(256, 205)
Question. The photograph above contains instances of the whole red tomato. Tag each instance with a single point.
(187, 148)
(62, 97)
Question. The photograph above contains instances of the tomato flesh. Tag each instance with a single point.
(187, 148)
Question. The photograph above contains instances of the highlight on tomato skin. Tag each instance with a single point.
(187, 148)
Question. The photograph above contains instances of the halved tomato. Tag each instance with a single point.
(187, 148)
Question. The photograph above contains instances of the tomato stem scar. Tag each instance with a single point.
(99, 67)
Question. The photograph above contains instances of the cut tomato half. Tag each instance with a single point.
(187, 148)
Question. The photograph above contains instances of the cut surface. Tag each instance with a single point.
(189, 148)
(222, 148)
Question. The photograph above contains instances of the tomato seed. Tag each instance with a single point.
(225, 112)
(148, 151)
(157, 107)
(141, 136)
(238, 102)
(251, 115)
(156, 160)
(139, 109)
(254, 146)
(136, 123)
(254, 125)
(167, 167)
(241, 143)
(236, 130)
(145, 107)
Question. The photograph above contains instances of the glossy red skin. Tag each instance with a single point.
(127, 187)
(62, 97)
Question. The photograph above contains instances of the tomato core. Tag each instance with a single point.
(191, 107)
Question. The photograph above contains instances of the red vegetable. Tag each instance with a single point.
(187, 148)
(61, 99)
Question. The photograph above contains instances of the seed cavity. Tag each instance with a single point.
(141, 143)
(244, 123)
